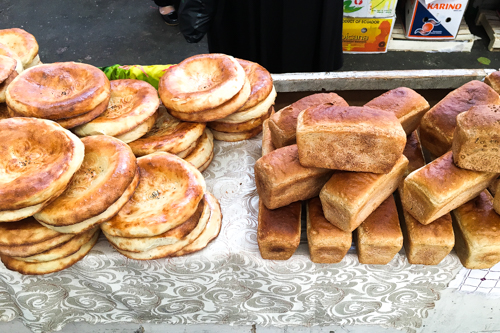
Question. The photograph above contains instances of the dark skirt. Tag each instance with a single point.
(284, 36)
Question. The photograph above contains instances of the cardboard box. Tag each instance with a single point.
(366, 35)
(370, 8)
(433, 19)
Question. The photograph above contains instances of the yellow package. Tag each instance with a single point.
(366, 35)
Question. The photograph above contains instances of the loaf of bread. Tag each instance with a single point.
(327, 243)
(424, 244)
(281, 179)
(408, 106)
(267, 143)
(477, 233)
(476, 141)
(493, 80)
(278, 232)
(427, 244)
(348, 198)
(438, 124)
(283, 124)
(440, 186)
(379, 237)
(349, 138)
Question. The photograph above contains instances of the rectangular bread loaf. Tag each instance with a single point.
(438, 124)
(348, 198)
(379, 237)
(440, 186)
(477, 232)
(424, 244)
(281, 179)
(278, 231)
(267, 143)
(476, 141)
(283, 124)
(408, 106)
(349, 138)
(327, 243)
(493, 80)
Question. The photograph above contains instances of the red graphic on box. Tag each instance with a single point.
(427, 27)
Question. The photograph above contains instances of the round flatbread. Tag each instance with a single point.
(234, 137)
(169, 192)
(218, 112)
(183, 154)
(240, 127)
(84, 118)
(7, 66)
(5, 84)
(58, 91)
(39, 157)
(108, 168)
(166, 250)
(139, 131)
(168, 134)
(39, 268)
(6, 51)
(254, 112)
(28, 237)
(210, 232)
(171, 237)
(19, 214)
(63, 250)
(206, 164)
(201, 82)
(104, 216)
(204, 149)
(21, 42)
(260, 80)
(132, 102)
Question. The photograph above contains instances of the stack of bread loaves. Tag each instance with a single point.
(233, 96)
(169, 210)
(40, 92)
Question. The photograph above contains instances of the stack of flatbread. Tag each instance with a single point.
(99, 189)
(169, 211)
(69, 93)
(191, 141)
(30, 248)
(247, 121)
(233, 96)
(21, 46)
(130, 114)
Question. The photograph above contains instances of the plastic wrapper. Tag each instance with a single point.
(150, 74)
(194, 18)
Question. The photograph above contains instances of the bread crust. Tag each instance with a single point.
(234, 137)
(281, 179)
(7, 66)
(201, 82)
(408, 106)
(348, 198)
(438, 124)
(249, 125)
(84, 118)
(267, 143)
(40, 92)
(349, 138)
(283, 124)
(21, 42)
(477, 244)
(379, 237)
(260, 81)
(203, 151)
(42, 158)
(493, 80)
(131, 103)
(168, 134)
(476, 141)
(327, 243)
(278, 231)
(440, 186)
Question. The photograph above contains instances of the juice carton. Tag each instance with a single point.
(366, 35)
(370, 8)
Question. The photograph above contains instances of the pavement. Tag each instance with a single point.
(128, 32)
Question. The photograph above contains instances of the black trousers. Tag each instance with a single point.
(281, 35)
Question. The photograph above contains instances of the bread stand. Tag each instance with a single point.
(228, 287)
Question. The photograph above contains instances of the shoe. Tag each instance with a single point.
(170, 18)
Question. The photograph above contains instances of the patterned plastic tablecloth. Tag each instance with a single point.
(228, 282)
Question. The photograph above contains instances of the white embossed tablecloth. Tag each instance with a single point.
(228, 282)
